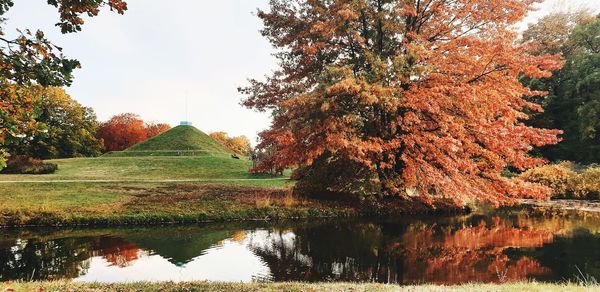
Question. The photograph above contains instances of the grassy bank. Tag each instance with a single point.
(205, 286)
(145, 190)
(149, 203)
(109, 204)
(160, 190)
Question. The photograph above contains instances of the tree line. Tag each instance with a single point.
(573, 101)
(66, 129)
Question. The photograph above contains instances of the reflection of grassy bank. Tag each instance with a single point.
(205, 286)
(126, 203)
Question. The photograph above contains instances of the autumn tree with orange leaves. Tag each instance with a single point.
(417, 97)
(239, 144)
(155, 129)
(125, 130)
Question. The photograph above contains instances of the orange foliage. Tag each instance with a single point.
(122, 131)
(125, 130)
(425, 94)
(566, 182)
(153, 129)
(471, 254)
(117, 251)
(240, 145)
(555, 176)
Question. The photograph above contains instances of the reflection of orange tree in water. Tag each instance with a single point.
(116, 251)
(405, 254)
(452, 250)
(469, 254)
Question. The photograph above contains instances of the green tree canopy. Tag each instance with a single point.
(31, 60)
(573, 104)
(69, 129)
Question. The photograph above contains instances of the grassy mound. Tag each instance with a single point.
(179, 141)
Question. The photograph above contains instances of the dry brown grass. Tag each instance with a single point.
(263, 202)
(289, 200)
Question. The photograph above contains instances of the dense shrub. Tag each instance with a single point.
(567, 180)
(555, 176)
(20, 164)
(587, 184)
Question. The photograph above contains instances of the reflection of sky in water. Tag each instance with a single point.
(229, 261)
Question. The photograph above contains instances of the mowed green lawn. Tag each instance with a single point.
(135, 189)
(159, 190)
(146, 168)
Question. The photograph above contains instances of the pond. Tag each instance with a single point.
(473, 248)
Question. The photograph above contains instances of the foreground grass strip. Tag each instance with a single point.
(207, 286)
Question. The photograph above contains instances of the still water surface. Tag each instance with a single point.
(474, 248)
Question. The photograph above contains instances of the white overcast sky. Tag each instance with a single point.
(160, 52)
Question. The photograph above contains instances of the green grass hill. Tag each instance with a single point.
(178, 141)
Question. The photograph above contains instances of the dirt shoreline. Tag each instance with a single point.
(565, 205)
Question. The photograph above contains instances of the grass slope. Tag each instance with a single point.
(181, 140)
(145, 168)
(207, 286)
(143, 203)
(137, 190)
(142, 190)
